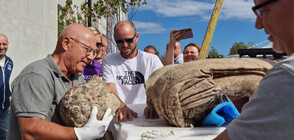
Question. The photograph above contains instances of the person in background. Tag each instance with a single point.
(126, 71)
(94, 67)
(268, 115)
(191, 52)
(173, 53)
(150, 49)
(103, 48)
(38, 89)
(6, 65)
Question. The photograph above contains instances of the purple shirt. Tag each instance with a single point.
(91, 70)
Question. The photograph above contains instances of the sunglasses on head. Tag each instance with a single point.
(127, 40)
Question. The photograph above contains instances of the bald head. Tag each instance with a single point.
(177, 46)
(73, 51)
(124, 23)
(76, 31)
(177, 49)
(3, 36)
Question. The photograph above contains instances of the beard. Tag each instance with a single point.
(130, 53)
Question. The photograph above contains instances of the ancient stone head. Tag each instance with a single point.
(183, 94)
(77, 103)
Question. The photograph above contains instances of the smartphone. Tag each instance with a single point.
(185, 33)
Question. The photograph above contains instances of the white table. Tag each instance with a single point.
(132, 130)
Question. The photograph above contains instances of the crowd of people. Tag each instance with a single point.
(80, 53)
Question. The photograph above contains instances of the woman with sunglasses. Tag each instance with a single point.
(94, 67)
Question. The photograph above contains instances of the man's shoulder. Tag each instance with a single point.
(179, 59)
(112, 56)
(288, 63)
(147, 55)
(8, 59)
(39, 66)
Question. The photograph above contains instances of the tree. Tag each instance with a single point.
(70, 13)
(236, 46)
(213, 53)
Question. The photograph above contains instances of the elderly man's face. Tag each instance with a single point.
(80, 56)
(3, 45)
(277, 19)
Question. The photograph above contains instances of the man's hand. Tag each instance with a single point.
(174, 35)
(94, 129)
(124, 114)
(150, 113)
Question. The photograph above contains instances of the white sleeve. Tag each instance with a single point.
(269, 112)
(107, 74)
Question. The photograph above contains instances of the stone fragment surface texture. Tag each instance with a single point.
(183, 94)
(77, 103)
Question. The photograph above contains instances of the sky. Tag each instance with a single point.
(236, 23)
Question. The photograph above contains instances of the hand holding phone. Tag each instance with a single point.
(185, 33)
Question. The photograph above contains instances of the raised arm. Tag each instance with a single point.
(169, 55)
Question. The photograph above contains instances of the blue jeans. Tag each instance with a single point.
(4, 120)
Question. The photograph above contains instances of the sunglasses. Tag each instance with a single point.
(127, 40)
(99, 44)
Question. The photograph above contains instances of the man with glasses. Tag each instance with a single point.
(125, 72)
(38, 89)
(269, 113)
(173, 53)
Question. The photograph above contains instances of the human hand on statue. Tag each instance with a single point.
(94, 129)
(150, 113)
(124, 114)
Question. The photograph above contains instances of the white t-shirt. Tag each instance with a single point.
(269, 113)
(179, 59)
(129, 75)
(2, 61)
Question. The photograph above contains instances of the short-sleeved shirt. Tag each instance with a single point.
(179, 59)
(92, 69)
(129, 75)
(269, 113)
(37, 91)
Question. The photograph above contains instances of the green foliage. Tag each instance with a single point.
(161, 58)
(157, 53)
(213, 53)
(236, 46)
(70, 13)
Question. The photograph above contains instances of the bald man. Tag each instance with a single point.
(126, 71)
(173, 53)
(6, 66)
(38, 89)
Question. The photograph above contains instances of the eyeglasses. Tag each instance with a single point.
(99, 44)
(256, 8)
(88, 48)
(127, 40)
